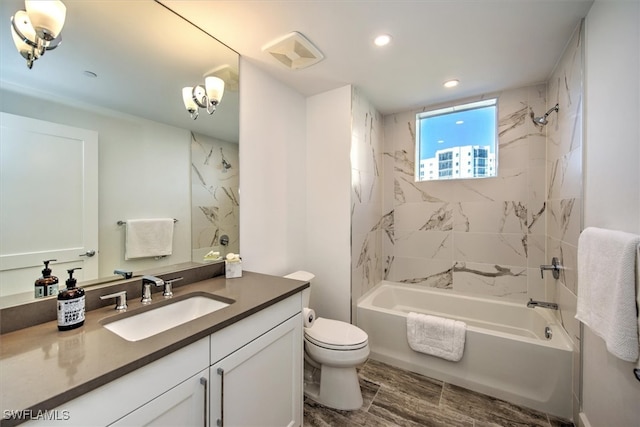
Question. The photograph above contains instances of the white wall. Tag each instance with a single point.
(611, 394)
(272, 178)
(294, 186)
(329, 202)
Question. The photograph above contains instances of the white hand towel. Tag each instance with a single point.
(149, 238)
(607, 288)
(436, 336)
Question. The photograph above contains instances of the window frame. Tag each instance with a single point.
(424, 174)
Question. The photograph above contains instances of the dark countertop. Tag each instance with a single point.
(42, 368)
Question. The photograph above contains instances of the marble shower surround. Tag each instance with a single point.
(484, 236)
(564, 177)
(214, 195)
(368, 224)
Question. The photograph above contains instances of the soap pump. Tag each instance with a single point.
(70, 304)
(46, 285)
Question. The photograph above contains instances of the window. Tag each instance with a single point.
(467, 132)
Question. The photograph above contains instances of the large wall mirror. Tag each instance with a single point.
(119, 72)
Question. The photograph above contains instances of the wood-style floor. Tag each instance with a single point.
(394, 397)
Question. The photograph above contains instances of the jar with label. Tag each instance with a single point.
(71, 304)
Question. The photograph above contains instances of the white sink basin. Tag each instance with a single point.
(165, 317)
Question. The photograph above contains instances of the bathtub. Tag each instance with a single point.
(506, 353)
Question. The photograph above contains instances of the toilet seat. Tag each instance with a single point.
(336, 335)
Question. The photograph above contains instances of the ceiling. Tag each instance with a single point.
(489, 45)
(139, 70)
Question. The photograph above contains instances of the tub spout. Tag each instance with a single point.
(543, 304)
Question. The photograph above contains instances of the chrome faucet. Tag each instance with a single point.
(543, 304)
(147, 281)
(123, 273)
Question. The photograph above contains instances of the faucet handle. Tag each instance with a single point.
(555, 267)
(121, 299)
(168, 287)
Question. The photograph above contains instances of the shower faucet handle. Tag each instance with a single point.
(555, 267)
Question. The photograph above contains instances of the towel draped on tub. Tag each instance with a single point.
(436, 336)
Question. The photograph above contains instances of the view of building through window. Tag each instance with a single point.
(457, 142)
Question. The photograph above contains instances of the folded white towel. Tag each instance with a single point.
(607, 288)
(436, 336)
(149, 238)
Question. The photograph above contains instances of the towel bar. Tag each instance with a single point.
(124, 222)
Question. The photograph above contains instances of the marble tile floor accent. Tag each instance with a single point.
(394, 397)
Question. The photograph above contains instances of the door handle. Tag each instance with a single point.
(88, 254)
(205, 383)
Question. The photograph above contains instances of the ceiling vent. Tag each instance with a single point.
(294, 51)
(227, 73)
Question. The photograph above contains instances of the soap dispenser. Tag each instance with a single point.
(70, 304)
(46, 285)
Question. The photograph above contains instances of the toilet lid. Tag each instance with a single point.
(336, 334)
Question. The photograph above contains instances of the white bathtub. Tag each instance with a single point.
(506, 354)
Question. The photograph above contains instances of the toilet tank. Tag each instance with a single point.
(304, 276)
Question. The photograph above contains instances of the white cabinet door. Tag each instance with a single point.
(49, 198)
(184, 405)
(261, 383)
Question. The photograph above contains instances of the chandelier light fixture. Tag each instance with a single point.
(37, 29)
(207, 96)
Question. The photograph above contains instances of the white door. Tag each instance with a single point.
(184, 405)
(48, 201)
(261, 383)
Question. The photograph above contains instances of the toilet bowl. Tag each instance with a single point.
(335, 348)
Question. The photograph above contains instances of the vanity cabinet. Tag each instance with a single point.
(183, 405)
(248, 373)
(260, 384)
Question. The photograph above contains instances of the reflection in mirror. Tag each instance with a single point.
(457, 142)
(126, 85)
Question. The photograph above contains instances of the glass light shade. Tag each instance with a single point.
(22, 22)
(187, 98)
(47, 17)
(215, 88)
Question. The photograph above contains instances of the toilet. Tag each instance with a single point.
(334, 348)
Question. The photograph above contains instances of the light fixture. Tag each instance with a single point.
(207, 96)
(37, 29)
(382, 40)
(451, 83)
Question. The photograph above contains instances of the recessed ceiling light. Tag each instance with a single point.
(382, 40)
(451, 83)
(459, 122)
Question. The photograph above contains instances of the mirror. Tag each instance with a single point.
(119, 71)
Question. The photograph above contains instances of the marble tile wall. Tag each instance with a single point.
(564, 188)
(368, 226)
(214, 195)
(564, 176)
(483, 236)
